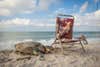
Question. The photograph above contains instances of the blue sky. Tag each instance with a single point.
(40, 15)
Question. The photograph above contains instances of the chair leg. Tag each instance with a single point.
(85, 41)
(62, 50)
(60, 44)
(82, 46)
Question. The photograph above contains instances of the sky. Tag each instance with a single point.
(40, 15)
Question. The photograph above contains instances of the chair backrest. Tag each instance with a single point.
(61, 22)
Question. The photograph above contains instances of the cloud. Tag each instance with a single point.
(45, 4)
(23, 24)
(4, 12)
(96, 1)
(63, 11)
(11, 7)
(16, 21)
(60, 10)
(27, 22)
(88, 19)
(84, 7)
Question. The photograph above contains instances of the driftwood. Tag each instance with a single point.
(34, 48)
(22, 58)
(26, 47)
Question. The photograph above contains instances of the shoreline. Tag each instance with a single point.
(6, 45)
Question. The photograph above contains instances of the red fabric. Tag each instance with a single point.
(69, 20)
(63, 24)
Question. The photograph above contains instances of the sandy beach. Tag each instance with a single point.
(73, 57)
(33, 33)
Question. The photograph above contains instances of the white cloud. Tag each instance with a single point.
(4, 12)
(87, 22)
(65, 11)
(84, 7)
(44, 4)
(97, 13)
(60, 10)
(9, 7)
(23, 24)
(88, 19)
(28, 22)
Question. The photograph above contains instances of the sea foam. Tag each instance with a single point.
(11, 43)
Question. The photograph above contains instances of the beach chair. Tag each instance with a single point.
(64, 32)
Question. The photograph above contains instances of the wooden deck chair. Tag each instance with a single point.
(64, 31)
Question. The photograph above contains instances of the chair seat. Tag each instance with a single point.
(68, 41)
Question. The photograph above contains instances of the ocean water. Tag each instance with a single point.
(9, 39)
